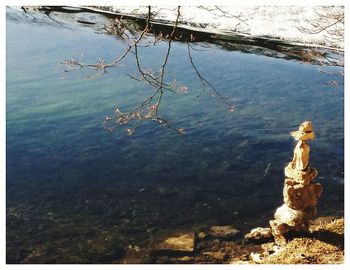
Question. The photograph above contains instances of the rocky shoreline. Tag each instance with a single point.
(196, 216)
(323, 244)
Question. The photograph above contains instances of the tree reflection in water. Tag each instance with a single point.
(143, 32)
(148, 109)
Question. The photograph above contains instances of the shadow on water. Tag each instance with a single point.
(229, 41)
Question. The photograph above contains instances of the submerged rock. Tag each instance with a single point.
(180, 244)
(202, 235)
(223, 232)
(217, 255)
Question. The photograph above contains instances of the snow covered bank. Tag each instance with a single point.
(301, 24)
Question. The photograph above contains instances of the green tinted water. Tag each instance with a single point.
(71, 184)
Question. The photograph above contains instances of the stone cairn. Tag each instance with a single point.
(300, 193)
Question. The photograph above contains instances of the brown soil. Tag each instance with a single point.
(324, 245)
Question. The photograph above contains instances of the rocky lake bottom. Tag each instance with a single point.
(78, 194)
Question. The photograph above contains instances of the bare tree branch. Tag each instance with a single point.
(205, 84)
(148, 109)
(329, 20)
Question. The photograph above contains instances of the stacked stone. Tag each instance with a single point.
(300, 192)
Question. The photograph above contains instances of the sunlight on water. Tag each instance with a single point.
(68, 180)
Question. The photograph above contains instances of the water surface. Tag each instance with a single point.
(76, 192)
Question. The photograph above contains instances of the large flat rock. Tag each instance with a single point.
(179, 244)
